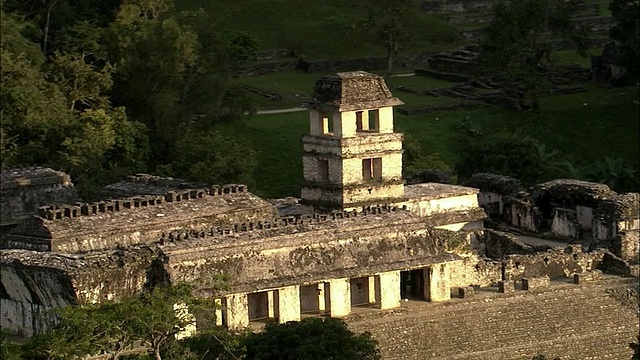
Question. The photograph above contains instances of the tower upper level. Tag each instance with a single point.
(349, 104)
(352, 156)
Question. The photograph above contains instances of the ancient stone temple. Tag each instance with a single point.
(352, 156)
(360, 244)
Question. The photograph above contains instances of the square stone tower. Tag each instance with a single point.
(351, 156)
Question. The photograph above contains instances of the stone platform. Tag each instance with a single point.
(566, 321)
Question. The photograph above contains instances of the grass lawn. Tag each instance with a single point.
(606, 126)
(569, 57)
(322, 29)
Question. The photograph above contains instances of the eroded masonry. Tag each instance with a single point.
(358, 238)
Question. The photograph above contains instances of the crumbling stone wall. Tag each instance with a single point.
(627, 245)
(29, 295)
(557, 262)
(574, 210)
(23, 190)
(492, 190)
(310, 249)
(140, 220)
(522, 213)
(35, 283)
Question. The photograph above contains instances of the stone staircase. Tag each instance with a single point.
(566, 321)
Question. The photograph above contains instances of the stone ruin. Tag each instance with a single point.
(357, 238)
(23, 190)
(585, 213)
(607, 69)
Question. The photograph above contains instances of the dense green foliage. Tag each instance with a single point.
(516, 42)
(389, 20)
(627, 32)
(312, 339)
(327, 29)
(104, 89)
(144, 327)
(150, 320)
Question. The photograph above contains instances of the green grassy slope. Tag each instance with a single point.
(606, 126)
(322, 29)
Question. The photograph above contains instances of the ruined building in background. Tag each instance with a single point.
(356, 244)
(23, 190)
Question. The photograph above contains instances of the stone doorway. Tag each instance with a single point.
(260, 306)
(412, 284)
(314, 298)
(362, 291)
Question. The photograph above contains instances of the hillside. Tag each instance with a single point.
(323, 29)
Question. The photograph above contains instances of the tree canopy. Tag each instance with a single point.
(516, 43)
(149, 325)
(627, 32)
(101, 89)
(309, 339)
(149, 321)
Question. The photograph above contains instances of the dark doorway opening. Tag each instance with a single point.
(412, 284)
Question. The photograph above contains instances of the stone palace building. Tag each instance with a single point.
(358, 239)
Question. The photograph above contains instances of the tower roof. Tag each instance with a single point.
(348, 91)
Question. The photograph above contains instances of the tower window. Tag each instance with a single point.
(372, 169)
(360, 124)
(373, 120)
(326, 123)
(323, 170)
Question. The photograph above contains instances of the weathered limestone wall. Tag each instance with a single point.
(127, 222)
(584, 216)
(35, 283)
(565, 223)
(359, 246)
(345, 183)
(388, 284)
(438, 280)
(506, 258)
(23, 190)
(289, 303)
(372, 193)
(340, 297)
(554, 263)
(627, 245)
(491, 202)
(28, 297)
(236, 311)
(426, 207)
(523, 215)
(474, 271)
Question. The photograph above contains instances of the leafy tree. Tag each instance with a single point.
(414, 159)
(102, 146)
(627, 32)
(34, 111)
(211, 157)
(615, 173)
(241, 47)
(83, 84)
(388, 18)
(8, 349)
(150, 320)
(516, 42)
(172, 74)
(217, 343)
(513, 155)
(311, 338)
